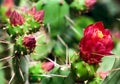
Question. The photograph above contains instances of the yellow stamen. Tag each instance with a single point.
(100, 34)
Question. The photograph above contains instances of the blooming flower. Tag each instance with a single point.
(90, 3)
(29, 42)
(16, 19)
(95, 43)
(38, 15)
(47, 66)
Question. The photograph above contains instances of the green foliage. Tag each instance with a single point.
(58, 76)
(78, 5)
(55, 11)
(83, 71)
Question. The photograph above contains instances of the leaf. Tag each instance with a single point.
(114, 76)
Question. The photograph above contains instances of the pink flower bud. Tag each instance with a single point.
(103, 74)
(29, 42)
(47, 66)
(16, 19)
(39, 16)
(90, 3)
(8, 3)
(32, 11)
(8, 13)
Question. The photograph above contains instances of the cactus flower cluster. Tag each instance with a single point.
(96, 43)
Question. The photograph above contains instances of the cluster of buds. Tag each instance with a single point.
(22, 26)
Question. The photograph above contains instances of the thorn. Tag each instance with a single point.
(11, 78)
(35, 26)
(30, 28)
(66, 46)
(21, 74)
(15, 51)
(22, 53)
(11, 35)
(16, 32)
(4, 28)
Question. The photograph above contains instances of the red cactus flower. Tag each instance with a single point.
(29, 42)
(16, 19)
(90, 3)
(38, 15)
(95, 43)
(47, 66)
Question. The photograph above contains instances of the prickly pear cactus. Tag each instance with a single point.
(22, 28)
(55, 12)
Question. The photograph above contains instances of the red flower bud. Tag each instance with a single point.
(90, 3)
(16, 19)
(32, 11)
(38, 15)
(29, 42)
(95, 43)
(8, 13)
(47, 66)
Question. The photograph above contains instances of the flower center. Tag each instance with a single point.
(100, 34)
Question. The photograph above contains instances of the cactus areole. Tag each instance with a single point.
(96, 43)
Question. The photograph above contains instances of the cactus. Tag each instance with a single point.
(21, 29)
(55, 11)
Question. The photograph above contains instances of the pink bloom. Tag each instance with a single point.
(38, 15)
(47, 66)
(90, 3)
(8, 3)
(95, 43)
(103, 74)
(8, 13)
(32, 11)
(117, 35)
(29, 42)
(16, 19)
